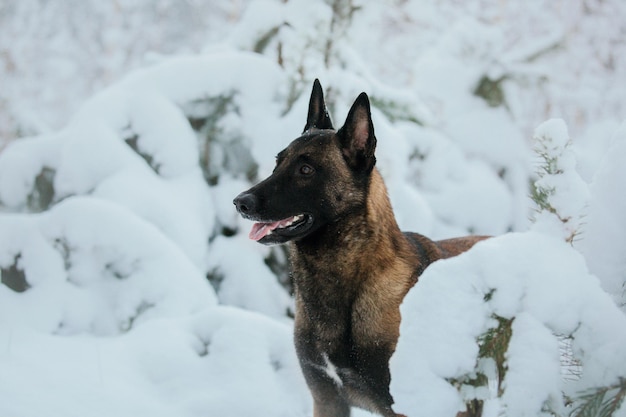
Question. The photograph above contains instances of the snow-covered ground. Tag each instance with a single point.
(130, 287)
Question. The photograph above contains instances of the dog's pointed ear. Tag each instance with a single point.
(318, 115)
(357, 139)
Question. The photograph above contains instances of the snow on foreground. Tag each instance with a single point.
(220, 362)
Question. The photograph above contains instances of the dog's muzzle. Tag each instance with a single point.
(246, 204)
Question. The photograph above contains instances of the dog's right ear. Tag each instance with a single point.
(318, 115)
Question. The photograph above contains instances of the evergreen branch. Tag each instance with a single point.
(494, 344)
(601, 402)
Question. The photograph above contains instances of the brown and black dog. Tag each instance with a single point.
(351, 264)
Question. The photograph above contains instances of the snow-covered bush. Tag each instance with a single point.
(134, 145)
(91, 266)
(486, 325)
(518, 326)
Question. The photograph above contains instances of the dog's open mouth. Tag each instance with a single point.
(288, 226)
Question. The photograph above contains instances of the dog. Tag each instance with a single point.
(351, 265)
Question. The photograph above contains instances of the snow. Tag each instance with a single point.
(188, 366)
(129, 284)
(539, 281)
(94, 266)
(602, 244)
(251, 284)
(533, 351)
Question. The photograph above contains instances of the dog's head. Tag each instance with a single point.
(319, 178)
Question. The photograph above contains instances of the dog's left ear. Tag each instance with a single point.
(357, 139)
(318, 115)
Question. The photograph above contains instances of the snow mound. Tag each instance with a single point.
(540, 283)
(88, 265)
(220, 361)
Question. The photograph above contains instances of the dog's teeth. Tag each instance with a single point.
(291, 221)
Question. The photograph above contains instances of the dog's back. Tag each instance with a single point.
(441, 249)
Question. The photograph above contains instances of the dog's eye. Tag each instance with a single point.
(306, 169)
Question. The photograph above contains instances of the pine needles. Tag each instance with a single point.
(600, 402)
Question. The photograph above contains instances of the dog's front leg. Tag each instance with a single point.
(331, 407)
(328, 400)
(328, 397)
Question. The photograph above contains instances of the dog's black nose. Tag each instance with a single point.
(246, 203)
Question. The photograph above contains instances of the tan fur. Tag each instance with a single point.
(391, 264)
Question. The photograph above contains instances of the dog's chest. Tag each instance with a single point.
(329, 333)
(325, 346)
(336, 357)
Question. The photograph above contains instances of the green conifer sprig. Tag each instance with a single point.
(494, 344)
(600, 402)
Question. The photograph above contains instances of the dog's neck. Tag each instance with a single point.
(371, 233)
(379, 214)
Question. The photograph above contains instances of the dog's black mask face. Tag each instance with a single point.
(319, 178)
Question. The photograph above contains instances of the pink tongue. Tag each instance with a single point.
(260, 230)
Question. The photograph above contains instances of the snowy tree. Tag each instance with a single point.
(86, 46)
(482, 331)
(512, 343)
(560, 193)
